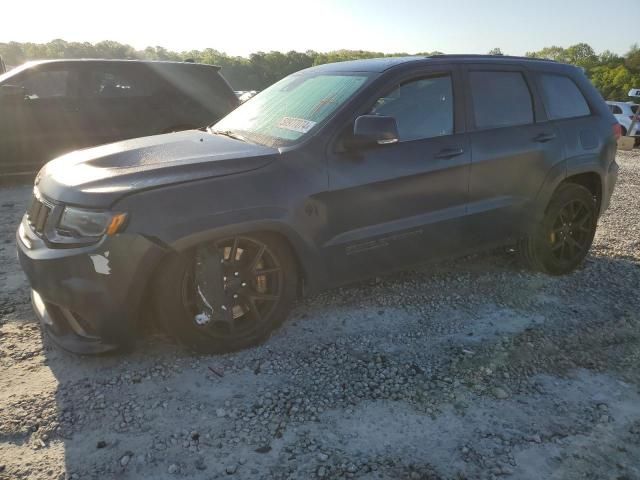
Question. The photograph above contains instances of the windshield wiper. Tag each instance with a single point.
(228, 133)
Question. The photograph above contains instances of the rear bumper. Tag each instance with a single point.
(608, 184)
(88, 299)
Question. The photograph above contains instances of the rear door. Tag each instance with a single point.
(46, 123)
(397, 204)
(513, 149)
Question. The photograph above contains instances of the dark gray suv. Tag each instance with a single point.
(333, 174)
(52, 107)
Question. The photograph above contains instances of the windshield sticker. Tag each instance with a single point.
(296, 124)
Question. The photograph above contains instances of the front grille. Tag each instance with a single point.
(38, 214)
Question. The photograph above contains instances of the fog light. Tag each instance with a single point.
(40, 307)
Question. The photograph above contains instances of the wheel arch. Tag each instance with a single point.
(592, 181)
(583, 171)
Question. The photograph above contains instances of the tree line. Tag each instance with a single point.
(614, 75)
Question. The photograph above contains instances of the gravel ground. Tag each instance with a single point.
(469, 369)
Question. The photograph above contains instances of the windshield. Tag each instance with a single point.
(291, 109)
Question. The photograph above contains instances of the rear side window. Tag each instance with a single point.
(616, 110)
(109, 82)
(562, 98)
(500, 99)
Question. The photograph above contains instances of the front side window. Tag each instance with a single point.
(292, 108)
(40, 84)
(562, 98)
(500, 99)
(422, 108)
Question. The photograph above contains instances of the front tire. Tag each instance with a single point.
(258, 285)
(562, 240)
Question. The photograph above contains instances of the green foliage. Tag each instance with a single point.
(614, 82)
(612, 74)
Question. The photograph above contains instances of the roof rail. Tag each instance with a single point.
(475, 55)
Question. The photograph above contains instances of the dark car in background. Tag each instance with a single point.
(333, 174)
(48, 108)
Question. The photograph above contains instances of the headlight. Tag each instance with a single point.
(90, 223)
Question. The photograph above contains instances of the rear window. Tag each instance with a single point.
(500, 99)
(562, 98)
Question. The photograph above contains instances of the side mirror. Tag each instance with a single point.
(374, 130)
(12, 92)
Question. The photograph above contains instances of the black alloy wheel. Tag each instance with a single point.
(571, 234)
(250, 278)
(227, 294)
(562, 240)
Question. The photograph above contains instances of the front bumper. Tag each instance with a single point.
(88, 299)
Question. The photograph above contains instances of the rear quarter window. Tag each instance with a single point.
(562, 98)
(202, 84)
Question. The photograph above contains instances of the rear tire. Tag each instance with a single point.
(251, 310)
(562, 240)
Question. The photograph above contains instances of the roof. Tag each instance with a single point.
(379, 65)
(114, 60)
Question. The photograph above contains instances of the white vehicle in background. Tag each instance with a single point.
(624, 113)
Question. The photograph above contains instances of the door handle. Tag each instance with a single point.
(544, 137)
(449, 152)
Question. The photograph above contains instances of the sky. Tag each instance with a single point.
(243, 27)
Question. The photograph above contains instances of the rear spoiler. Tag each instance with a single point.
(191, 60)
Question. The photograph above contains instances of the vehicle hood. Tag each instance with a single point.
(98, 176)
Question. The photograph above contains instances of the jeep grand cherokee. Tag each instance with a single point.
(333, 174)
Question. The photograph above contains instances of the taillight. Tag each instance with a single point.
(617, 130)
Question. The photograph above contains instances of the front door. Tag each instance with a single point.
(46, 123)
(397, 204)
